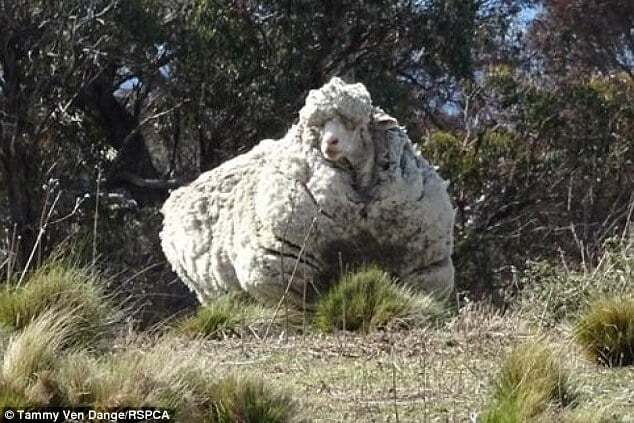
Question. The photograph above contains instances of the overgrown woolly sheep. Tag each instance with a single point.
(343, 187)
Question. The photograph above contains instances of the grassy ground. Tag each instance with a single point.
(423, 375)
(426, 363)
(441, 374)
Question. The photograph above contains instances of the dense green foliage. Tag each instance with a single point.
(555, 180)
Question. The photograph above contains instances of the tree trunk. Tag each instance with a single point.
(19, 168)
(124, 135)
(20, 182)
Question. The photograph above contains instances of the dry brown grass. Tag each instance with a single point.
(444, 372)
(422, 375)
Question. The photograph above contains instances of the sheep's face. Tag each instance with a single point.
(341, 140)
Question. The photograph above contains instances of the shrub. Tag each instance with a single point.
(61, 286)
(369, 299)
(531, 379)
(606, 330)
(483, 172)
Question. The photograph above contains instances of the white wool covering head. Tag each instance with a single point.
(337, 99)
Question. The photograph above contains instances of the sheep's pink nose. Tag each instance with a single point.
(333, 141)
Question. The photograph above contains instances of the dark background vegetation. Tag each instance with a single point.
(527, 107)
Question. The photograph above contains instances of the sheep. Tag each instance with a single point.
(344, 186)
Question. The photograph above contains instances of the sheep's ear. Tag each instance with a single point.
(382, 120)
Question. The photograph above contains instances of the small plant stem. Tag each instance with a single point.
(394, 390)
(12, 253)
(286, 321)
(292, 278)
(304, 309)
(96, 219)
(38, 239)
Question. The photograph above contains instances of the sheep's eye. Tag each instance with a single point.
(350, 125)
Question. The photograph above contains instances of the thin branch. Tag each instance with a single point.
(148, 119)
(158, 184)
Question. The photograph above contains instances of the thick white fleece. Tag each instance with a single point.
(282, 216)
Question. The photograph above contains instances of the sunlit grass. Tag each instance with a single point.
(237, 314)
(531, 380)
(606, 330)
(64, 287)
(369, 299)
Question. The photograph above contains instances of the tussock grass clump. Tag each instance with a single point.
(11, 397)
(170, 375)
(60, 286)
(30, 355)
(245, 400)
(370, 299)
(167, 372)
(530, 381)
(36, 347)
(42, 362)
(224, 316)
(606, 330)
(163, 374)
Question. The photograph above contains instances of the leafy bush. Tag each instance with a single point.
(370, 299)
(606, 330)
(548, 176)
(530, 381)
(63, 287)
